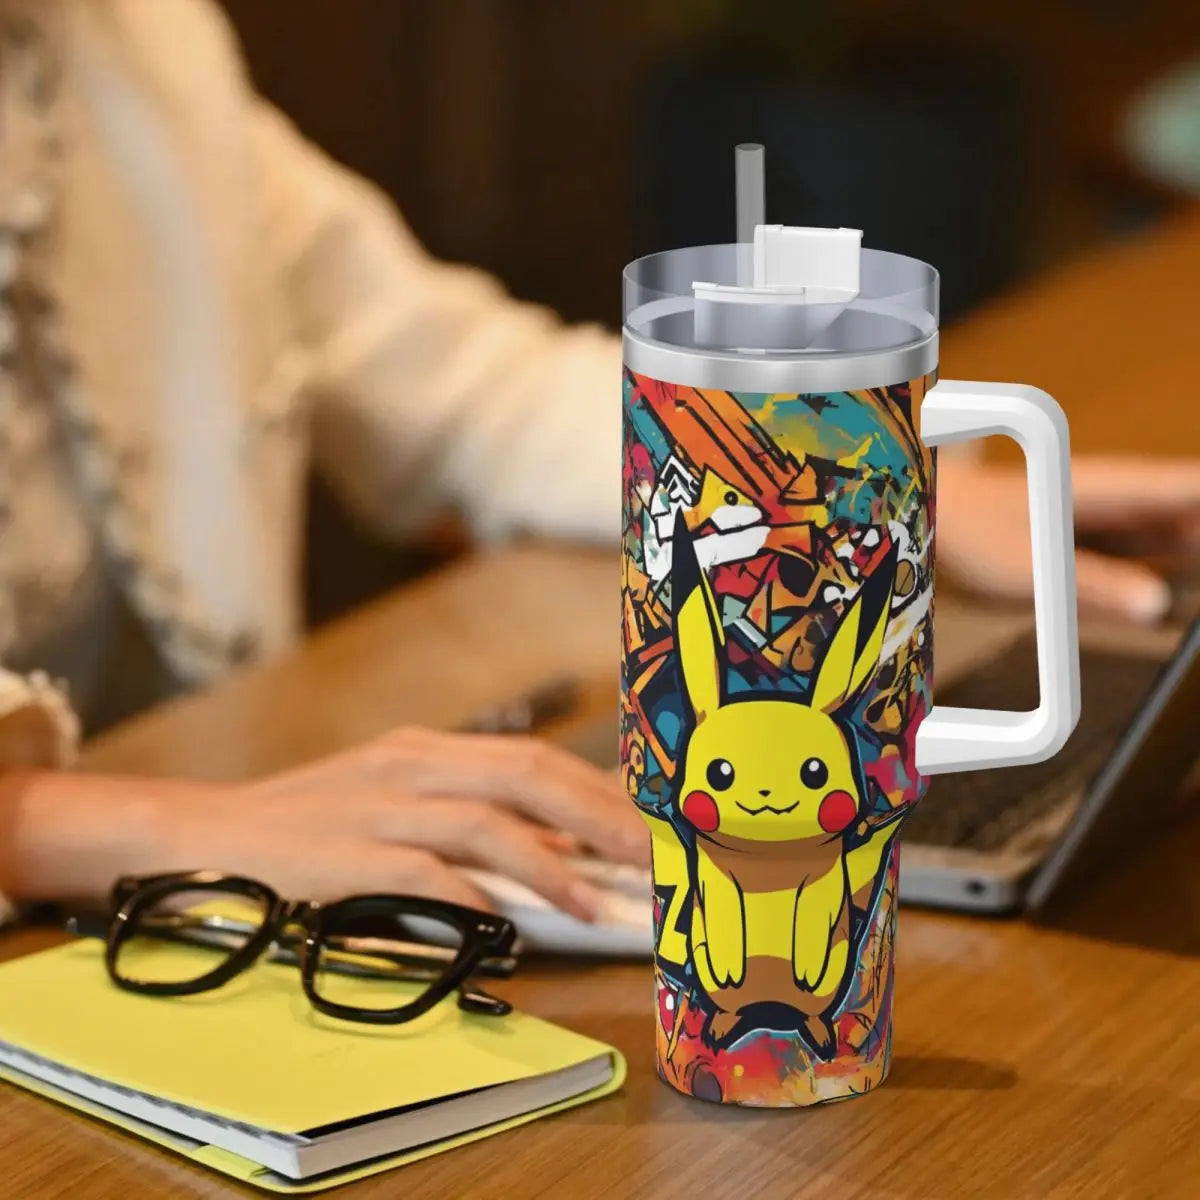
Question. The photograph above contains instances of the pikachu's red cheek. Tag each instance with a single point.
(700, 810)
(837, 812)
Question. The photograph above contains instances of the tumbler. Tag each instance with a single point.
(781, 413)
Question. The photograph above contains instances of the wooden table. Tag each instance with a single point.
(1036, 1063)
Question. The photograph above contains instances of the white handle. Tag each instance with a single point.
(960, 739)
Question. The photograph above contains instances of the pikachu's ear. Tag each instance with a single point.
(852, 654)
(698, 632)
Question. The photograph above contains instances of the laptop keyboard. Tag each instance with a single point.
(982, 810)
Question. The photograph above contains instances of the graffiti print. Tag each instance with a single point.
(777, 662)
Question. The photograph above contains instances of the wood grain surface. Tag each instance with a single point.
(1050, 1062)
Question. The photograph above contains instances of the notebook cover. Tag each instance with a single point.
(305, 1070)
(246, 1171)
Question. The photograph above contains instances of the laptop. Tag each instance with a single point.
(1018, 838)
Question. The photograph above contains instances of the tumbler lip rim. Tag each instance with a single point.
(825, 371)
(793, 358)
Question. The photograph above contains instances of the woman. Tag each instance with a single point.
(195, 302)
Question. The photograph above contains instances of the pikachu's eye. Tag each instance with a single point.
(814, 773)
(720, 775)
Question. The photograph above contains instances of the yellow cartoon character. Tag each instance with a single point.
(772, 788)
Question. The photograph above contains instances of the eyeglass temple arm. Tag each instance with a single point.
(470, 999)
(499, 966)
(476, 1000)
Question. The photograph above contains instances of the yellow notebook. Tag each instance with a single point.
(253, 1082)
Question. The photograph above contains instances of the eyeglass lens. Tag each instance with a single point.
(185, 935)
(384, 961)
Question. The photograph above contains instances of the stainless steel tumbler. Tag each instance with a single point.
(781, 410)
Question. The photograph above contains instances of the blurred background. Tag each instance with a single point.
(552, 141)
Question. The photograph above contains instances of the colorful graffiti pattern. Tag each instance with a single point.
(790, 503)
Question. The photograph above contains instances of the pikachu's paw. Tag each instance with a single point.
(807, 977)
(721, 1027)
(808, 961)
(727, 959)
(820, 1036)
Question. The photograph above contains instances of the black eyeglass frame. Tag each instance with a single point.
(484, 936)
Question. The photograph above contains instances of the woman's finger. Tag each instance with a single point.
(302, 866)
(1108, 492)
(557, 840)
(1122, 588)
(1123, 490)
(531, 776)
(484, 835)
(1119, 587)
(416, 871)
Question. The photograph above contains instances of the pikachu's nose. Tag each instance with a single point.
(764, 791)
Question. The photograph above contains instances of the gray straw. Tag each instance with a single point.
(748, 164)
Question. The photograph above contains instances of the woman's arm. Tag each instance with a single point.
(38, 730)
(401, 814)
(434, 388)
(67, 836)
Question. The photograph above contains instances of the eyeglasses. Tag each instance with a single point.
(379, 959)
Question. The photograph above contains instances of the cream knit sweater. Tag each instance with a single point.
(195, 303)
(227, 304)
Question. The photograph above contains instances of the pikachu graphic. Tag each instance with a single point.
(772, 788)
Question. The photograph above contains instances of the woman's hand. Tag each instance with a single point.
(401, 814)
(432, 802)
(1139, 506)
